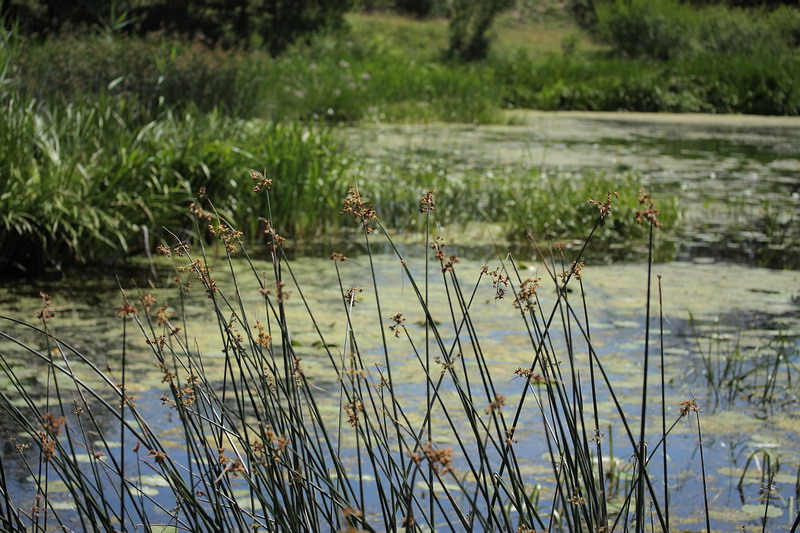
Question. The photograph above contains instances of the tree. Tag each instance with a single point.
(470, 21)
(277, 23)
(418, 8)
(584, 13)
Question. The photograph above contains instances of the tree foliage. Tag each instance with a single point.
(276, 23)
(470, 21)
(418, 8)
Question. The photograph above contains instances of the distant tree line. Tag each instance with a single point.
(275, 23)
(272, 23)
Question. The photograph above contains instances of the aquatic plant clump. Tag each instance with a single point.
(266, 434)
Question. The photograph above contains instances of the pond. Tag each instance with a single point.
(737, 177)
(730, 330)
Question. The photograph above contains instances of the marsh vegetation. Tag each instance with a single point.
(428, 307)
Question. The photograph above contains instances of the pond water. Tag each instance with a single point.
(732, 330)
(737, 177)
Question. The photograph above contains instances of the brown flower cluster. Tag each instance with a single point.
(262, 182)
(446, 365)
(604, 207)
(160, 457)
(127, 310)
(576, 498)
(148, 300)
(263, 339)
(197, 211)
(575, 270)
(441, 460)
(649, 211)
(275, 239)
(354, 203)
(497, 404)
(499, 281)
(532, 377)
(353, 409)
(179, 249)
(281, 295)
(188, 393)
(338, 257)
(163, 316)
(428, 202)
(272, 448)
(526, 297)
(438, 245)
(398, 320)
(230, 465)
(350, 298)
(51, 428)
(203, 273)
(230, 237)
(168, 375)
(47, 307)
(447, 262)
(689, 406)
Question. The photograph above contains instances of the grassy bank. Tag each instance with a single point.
(96, 181)
(104, 135)
(389, 67)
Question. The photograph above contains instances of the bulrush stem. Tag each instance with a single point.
(640, 522)
(663, 403)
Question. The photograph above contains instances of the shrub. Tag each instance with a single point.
(470, 21)
(660, 29)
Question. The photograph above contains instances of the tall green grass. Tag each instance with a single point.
(550, 204)
(83, 181)
(261, 447)
(93, 183)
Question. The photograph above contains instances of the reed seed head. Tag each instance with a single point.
(354, 203)
(689, 406)
(127, 310)
(398, 324)
(262, 182)
(649, 212)
(46, 310)
(428, 202)
(604, 206)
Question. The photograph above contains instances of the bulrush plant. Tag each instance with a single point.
(255, 446)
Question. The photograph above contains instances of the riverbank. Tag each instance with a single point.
(107, 134)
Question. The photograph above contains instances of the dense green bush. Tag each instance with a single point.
(276, 24)
(758, 83)
(669, 29)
